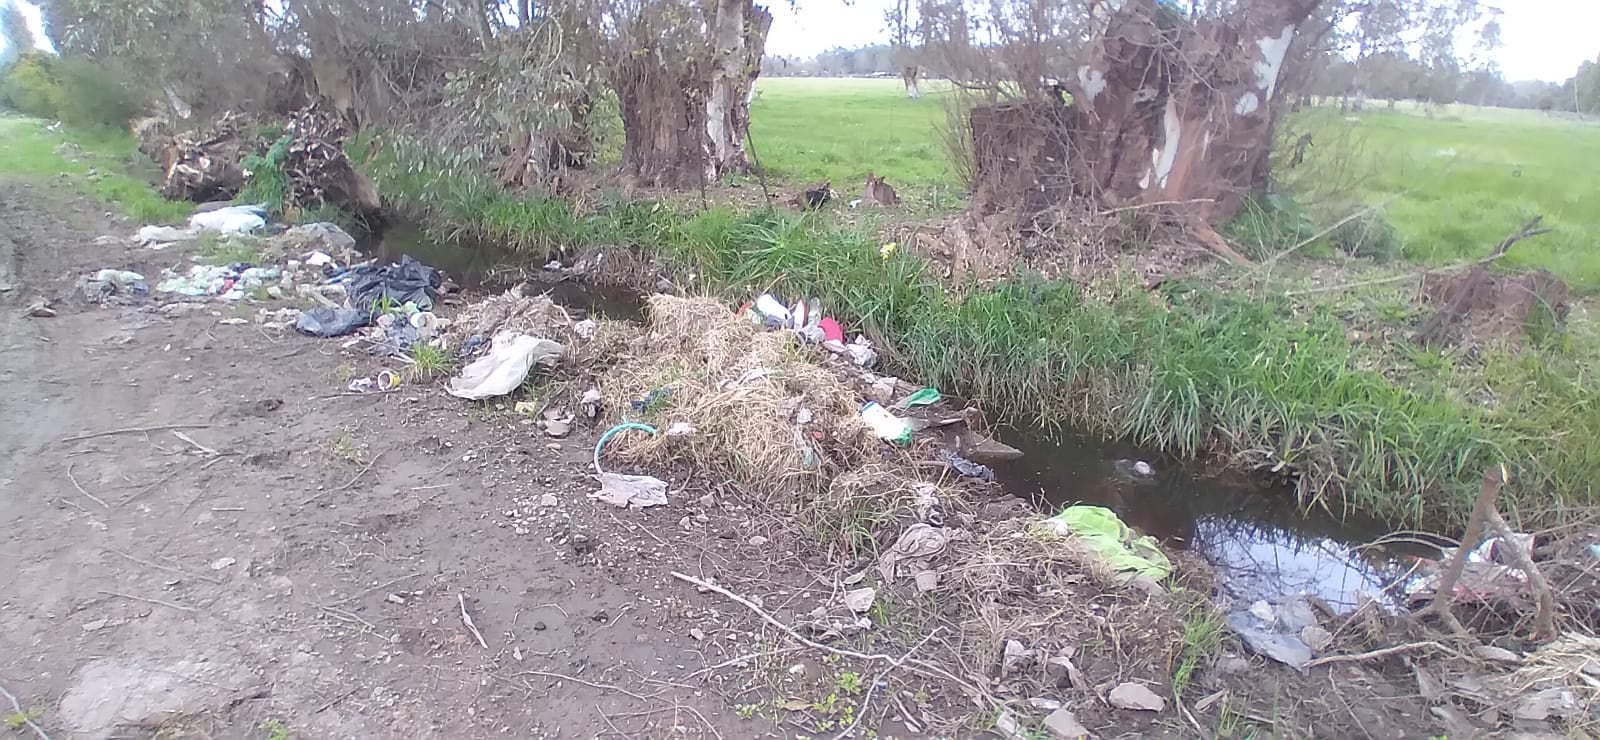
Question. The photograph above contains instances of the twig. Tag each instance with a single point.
(1493, 479)
(466, 619)
(743, 659)
(590, 684)
(348, 483)
(133, 430)
(147, 488)
(1156, 204)
(26, 720)
(1544, 619)
(1379, 653)
(197, 445)
(168, 568)
(1347, 219)
(918, 666)
(378, 587)
(167, 604)
(91, 496)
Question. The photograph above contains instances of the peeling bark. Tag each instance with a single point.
(1162, 112)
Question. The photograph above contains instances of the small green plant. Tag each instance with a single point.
(275, 730)
(344, 446)
(849, 682)
(1202, 635)
(19, 720)
(1370, 236)
(266, 181)
(228, 249)
(429, 361)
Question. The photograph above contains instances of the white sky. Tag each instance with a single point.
(1543, 39)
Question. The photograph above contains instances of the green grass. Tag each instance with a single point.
(105, 164)
(839, 130)
(1464, 180)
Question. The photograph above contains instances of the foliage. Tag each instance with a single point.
(73, 90)
(267, 182)
(29, 150)
(1367, 235)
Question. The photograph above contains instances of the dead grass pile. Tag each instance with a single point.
(734, 400)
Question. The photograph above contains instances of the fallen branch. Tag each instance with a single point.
(919, 666)
(158, 602)
(1545, 619)
(866, 700)
(133, 430)
(26, 720)
(169, 568)
(1493, 479)
(1347, 219)
(466, 619)
(197, 445)
(348, 483)
(1370, 654)
(91, 496)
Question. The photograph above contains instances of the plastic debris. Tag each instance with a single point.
(231, 220)
(107, 283)
(860, 600)
(385, 380)
(831, 330)
(1277, 632)
(627, 491)
(921, 397)
(160, 237)
(1114, 542)
(407, 281)
(331, 322)
(913, 552)
(861, 353)
(328, 234)
(511, 356)
(887, 426)
(967, 467)
(584, 329)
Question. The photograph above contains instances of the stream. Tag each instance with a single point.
(1261, 546)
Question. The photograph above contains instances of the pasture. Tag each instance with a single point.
(1453, 184)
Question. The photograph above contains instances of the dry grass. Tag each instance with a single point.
(763, 414)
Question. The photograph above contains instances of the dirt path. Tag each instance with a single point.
(294, 560)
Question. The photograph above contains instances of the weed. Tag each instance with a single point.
(429, 361)
(275, 730)
(228, 249)
(1202, 635)
(18, 720)
(849, 682)
(344, 447)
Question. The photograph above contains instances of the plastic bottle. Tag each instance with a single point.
(887, 426)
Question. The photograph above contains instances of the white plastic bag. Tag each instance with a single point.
(511, 356)
(230, 220)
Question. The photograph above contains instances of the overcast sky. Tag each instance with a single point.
(1544, 39)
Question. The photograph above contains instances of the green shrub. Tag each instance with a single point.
(1268, 225)
(1369, 235)
(73, 90)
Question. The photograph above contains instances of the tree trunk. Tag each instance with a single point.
(908, 75)
(1181, 115)
(686, 111)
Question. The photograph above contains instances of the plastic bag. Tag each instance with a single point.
(407, 281)
(331, 322)
(231, 220)
(1114, 542)
(499, 372)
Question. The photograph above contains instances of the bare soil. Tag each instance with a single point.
(302, 559)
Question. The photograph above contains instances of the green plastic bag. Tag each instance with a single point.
(1110, 538)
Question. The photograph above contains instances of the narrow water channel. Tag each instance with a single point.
(1261, 545)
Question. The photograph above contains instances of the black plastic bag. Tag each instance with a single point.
(331, 322)
(407, 281)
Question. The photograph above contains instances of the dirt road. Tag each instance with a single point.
(271, 559)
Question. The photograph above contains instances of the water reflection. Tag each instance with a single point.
(1261, 546)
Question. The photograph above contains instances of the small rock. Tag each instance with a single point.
(1230, 664)
(860, 600)
(395, 599)
(221, 563)
(1007, 726)
(1136, 697)
(1064, 724)
(584, 329)
(548, 500)
(757, 541)
(41, 310)
(1044, 705)
(1016, 658)
(95, 625)
(1316, 638)
(697, 633)
(600, 615)
(539, 627)
(516, 653)
(581, 544)
(1065, 672)
(557, 429)
(707, 501)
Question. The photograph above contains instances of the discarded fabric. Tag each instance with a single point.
(231, 220)
(921, 397)
(1114, 542)
(323, 321)
(967, 467)
(627, 491)
(511, 356)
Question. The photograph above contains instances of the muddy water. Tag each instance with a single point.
(1260, 545)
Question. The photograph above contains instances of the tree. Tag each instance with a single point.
(18, 35)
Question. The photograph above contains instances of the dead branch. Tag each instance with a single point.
(1544, 619)
(1370, 654)
(168, 568)
(1214, 241)
(919, 666)
(466, 619)
(1456, 307)
(348, 483)
(1329, 230)
(133, 430)
(91, 496)
(1493, 479)
(197, 445)
(157, 602)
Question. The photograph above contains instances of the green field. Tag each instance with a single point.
(1459, 182)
